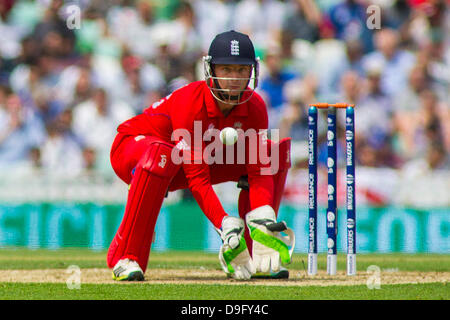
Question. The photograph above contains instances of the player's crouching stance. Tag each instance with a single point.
(143, 152)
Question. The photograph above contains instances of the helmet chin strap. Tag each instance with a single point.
(226, 98)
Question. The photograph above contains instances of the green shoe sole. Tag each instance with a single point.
(282, 274)
(133, 276)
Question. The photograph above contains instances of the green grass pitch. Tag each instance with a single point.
(23, 259)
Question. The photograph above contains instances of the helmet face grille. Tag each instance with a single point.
(223, 95)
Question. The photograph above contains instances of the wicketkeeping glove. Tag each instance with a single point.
(233, 255)
(270, 248)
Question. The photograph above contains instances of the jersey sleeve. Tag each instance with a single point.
(188, 136)
(260, 178)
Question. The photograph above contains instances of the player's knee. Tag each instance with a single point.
(157, 160)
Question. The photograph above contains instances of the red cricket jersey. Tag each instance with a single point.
(194, 103)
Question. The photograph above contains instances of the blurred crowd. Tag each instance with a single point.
(71, 71)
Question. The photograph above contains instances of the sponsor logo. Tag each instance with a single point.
(209, 133)
(237, 125)
(330, 163)
(163, 161)
(330, 216)
(182, 145)
(350, 179)
(330, 135)
(312, 228)
(311, 192)
(330, 189)
(349, 154)
(330, 244)
(349, 135)
(349, 197)
(350, 223)
(311, 147)
(350, 241)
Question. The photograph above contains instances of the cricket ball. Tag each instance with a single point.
(228, 136)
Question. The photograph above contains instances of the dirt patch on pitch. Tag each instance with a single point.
(207, 276)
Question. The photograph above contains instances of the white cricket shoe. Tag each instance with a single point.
(127, 270)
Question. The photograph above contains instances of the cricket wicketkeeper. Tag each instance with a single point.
(170, 146)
